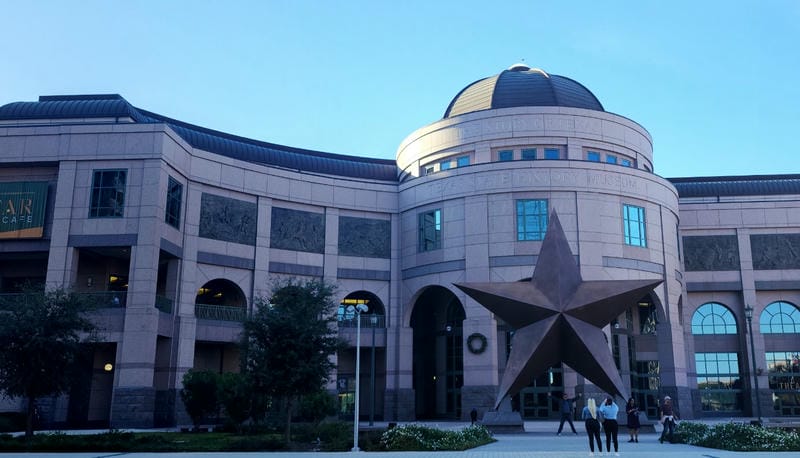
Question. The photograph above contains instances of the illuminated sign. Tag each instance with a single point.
(22, 207)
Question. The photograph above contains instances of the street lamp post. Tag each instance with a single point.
(373, 322)
(748, 313)
(357, 310)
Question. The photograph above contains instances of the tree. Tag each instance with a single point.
(317, 406)
(41, 332)
(199, 395)
(288, 342)
(237, 398)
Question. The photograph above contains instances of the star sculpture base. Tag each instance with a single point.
(558, 317)
(502, 422)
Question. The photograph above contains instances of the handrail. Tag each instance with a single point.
(164, 304)
(220, 312)
(367, 321)
(104, 299)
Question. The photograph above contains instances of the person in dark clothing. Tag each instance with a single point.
(473, 415)
(566, 412)
(609, 410)
(589, 416)
(668, 417)
(632, 409)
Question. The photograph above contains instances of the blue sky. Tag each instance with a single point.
(716, 83)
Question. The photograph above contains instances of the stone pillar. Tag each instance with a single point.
(400, 397)
(184, 325)
(134, 398)
(62, 259)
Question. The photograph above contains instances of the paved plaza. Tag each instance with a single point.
(538, 441)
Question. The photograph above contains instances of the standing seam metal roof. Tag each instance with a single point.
(521, 86)
(115, 106)
(750, 185)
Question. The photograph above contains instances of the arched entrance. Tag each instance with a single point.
(372, 373)
(641, 322)
(438, 353)
(220, 299)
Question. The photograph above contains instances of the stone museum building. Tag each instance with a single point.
(177, 228)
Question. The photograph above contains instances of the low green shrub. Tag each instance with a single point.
(737, 437)
(256, 443)
(335, 436)
(422, 438)
(12, 421)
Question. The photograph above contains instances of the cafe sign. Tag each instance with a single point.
(22, 208)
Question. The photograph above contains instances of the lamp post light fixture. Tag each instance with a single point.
(748, 313)
(357, 310)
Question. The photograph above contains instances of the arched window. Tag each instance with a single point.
(780, 318)
(713, 318)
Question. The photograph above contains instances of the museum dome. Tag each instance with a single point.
(522, 86)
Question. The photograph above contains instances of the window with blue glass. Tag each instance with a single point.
(430, 230)
(108, 194)
(531, 219)
(552, 153)
(505, 155)
(780, 318)
(611, 159)
(172, 213)
(634, 225)
(713, 318)
(719, 382)
(593, 156)
(444, 165)
(783, 371)
(462, 161)
(625, 162)
(528, 154)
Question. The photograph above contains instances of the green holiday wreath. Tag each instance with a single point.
(476, 343)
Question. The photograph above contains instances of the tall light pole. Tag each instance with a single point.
(357, 310)
(748, 313)
(373, 321)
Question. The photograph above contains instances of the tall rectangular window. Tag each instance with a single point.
(108, 194)
(552, 153)
(462, 161)
(172, 214)
(528, 154)
(593, 156)
(718, 381)
(531, 219)
(505, 155)
(430, 230)
(634, 225)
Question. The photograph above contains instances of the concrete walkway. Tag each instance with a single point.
(538, 441)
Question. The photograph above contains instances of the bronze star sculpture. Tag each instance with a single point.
(558, 317)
